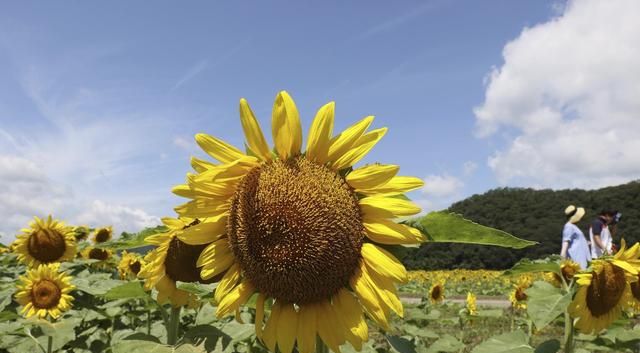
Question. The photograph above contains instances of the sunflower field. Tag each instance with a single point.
(283, 250)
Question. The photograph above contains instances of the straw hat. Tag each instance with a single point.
(575, 213)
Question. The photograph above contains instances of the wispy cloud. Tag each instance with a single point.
(193, 72)
(398, 21)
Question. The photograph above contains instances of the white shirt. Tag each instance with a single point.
(605, 237)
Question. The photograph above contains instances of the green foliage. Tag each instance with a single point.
(512, 342)
(535, 215)
(545, 303)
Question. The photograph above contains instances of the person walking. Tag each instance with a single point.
(600, 234)
(574, 243)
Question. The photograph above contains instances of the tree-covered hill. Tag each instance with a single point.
(530, 214)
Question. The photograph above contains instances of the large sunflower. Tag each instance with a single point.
(603, 293)
(171, 261)
(44, 291)
(45, 241)
(301, 229)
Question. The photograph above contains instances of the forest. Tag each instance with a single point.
(529, 214)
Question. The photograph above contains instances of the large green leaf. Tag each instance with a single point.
(401, 344)
(446, 343)
(129, 290)
(511, 342)
(545, 303)
(550, 346)
(453, 228)
(529, 266)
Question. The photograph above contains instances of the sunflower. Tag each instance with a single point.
(102, 255)
(130, 265)
(46, 241)
(102, 235)
(603, 293)
(44, 291)
(472, 308)
(81, 232)
(518, 297)
(173, 260)
(302, 230)
(568, 268)
(436, 293)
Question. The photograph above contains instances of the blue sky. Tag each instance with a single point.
(99, 102)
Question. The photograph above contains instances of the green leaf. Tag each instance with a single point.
(62, 332)
(199, 289)
(207, 335)
(131, 346)
(453, 228)
(545, 303)
(528, 266)
(511, 342)
(550, 346)
(401, 344)
(129, 290)
(446, 343)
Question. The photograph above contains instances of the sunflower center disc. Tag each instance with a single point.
(435, 294)
(46, 245)
(180, 263)
(98, 254)
(102, 235)
(135, 267)
(45, 294)
(635, 289)
(605, 290)
(296, 230)
(520, 294)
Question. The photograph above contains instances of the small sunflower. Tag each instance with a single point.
(81, 232)
(130, 265)
(44, 291)
(518, 297)
(603, 293)
(436, 293)
(102, 235)
(301, 229)
(568, 268)
(171, 261)
(472, 308)
(102, 255)
(46, 241)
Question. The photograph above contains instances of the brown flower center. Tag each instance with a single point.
(46, 245)
(436, 293)
(45, 294)
(605, 290)
(103, 235)
(520, 294)
(135, 267)
(568, 272)
(295, 228)
(180, 263)
(98, 254)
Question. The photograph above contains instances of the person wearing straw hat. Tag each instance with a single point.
(574, 243)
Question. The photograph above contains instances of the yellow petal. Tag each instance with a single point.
(202, 208)
(157, 239)
(350, 313)
(397, 185)
(204, 233)
(271, 328)
(172, 223)
(329, 332)
(252, 132)
(371, 176)
(383, 263)
(341, 144)
(387, 207)
(285, 126)
(232, 301)
(218, 149)
(213, 252)
(287, 327)
(228, 282)
(307, 329)
(385, 289)
(320, 134)
(259, 314)
(200, 165)
(360, 149)
(369, 299)
(386, 231)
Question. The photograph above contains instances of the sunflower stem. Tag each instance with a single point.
(174, 325)
(568, 333)
(320, 346)
(49, 344)
(148, 322)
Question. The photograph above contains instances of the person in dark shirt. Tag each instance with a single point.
(600, 234)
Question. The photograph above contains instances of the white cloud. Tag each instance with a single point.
(442, 185)
(127, 218)
(570, 91)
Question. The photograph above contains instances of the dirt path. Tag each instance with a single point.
(495, 302)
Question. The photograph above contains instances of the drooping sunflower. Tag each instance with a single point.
(173, 260)
(81, 232)
(44, 291)
(472, 308)
(603, 293)
(568, 268)
(301, 229)
(45, 241)
(102, 235)
(130, 265)
(436, 293)
(518, 297)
